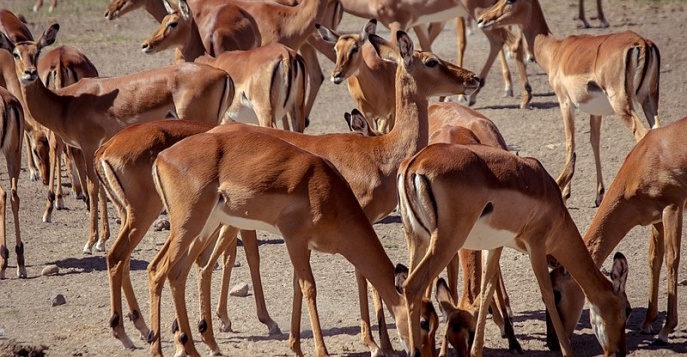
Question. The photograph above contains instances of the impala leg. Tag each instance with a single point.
(486, 294)
(423, 37)
(93, 189)
(461, 41)
(585, 23)
(30, 158)
(600, 10)
(595, 137)
(495, 45)
(309, 290)
(104, 221)
(222, 311)
(505, 72)
(522, 73)
(59, 191)
(180, 265)
(157, 272)
(503, 303)
(75, 170)
(365, 329)
(4, 252)
(250, 245)
(541, 271)
(656, 254)
(53, 160)
(81, 164)
(13, 169)
(296, 312)
(672, 223)
(226, 245)
(566, 175)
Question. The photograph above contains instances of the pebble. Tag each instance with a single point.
(58, 300)
(240, 290)
(682, 282)
(50, 270)
(161, 225)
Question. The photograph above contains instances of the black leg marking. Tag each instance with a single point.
(114, 320)
(202, 326)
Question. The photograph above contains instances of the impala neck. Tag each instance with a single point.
(539, 36)
(45, 106)
(610, 225)
(410, 131)
(157, 9)
(574, 256)
(193, 44)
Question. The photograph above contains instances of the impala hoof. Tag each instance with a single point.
(87, 249)
(21, 273)
(225, 327)
(100, 247)
(274, 330)
(508, 93)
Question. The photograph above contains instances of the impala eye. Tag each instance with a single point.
(173, 24)
(16, 55)
(431, 63)
(510, 2)
(354, 50)
(424, 324)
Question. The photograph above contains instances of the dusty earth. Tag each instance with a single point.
(80, 328)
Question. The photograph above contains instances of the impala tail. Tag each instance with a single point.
(12, 133)
(225, 100)
(643, 63)
(417, 203)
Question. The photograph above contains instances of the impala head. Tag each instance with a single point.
(460, 324)
(117, 8)
(349, 49)
(429, 320)
(173, 30)
(607, 318)
(26, 53)
(506, 12)
(357, 123)
(433, 76)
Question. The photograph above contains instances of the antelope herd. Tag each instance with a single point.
(182, 138)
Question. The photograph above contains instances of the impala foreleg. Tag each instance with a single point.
(93, 192)
(656, 254)
(522, 74)
(594, 138)
(672, 224)
(179, 267)
(566, 175)
(365, 328)
(486, 294)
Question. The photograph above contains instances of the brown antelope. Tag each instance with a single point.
(600, 75)
(307, 199)
(39, 4)
(268, 22)
(58, 68)
(648, 190)
(94, 109)
(406, 13)
(600, 11)
(479, 197)
(375, 189)
(11, 136)
(269, 80)
(455, 123)
(36, 139)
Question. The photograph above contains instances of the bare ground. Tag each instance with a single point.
(80, 328)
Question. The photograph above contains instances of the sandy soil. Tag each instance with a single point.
(80, 328)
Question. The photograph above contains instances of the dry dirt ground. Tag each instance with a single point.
(80, 328)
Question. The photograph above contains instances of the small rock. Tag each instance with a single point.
(50, 270)
(240, 290)
(161, 225)
(58, 300)
(237, 264)
(682, 282)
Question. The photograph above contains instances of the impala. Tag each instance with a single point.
(92, 110)
(270, 80)
(58, 68)
(483, 198)
(371, 169)
(265, 22)
(599, 10)
(648, 190)
(11, 136)
(39, 4)
(307, 200)
(600, 75)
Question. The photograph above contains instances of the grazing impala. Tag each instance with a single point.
(650, 189)
(11, 136)
(600, 75)
(371, 169)
(270, 80)
(307, 200)
(479, 197)
(58, 68)
(94, 109)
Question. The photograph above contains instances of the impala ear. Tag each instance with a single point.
(327, 34)
(401, 273)
(619, 273)
(385, 50)
(358, 123)
(169, 7)
(184, 10)
(405, 47)
(369, 29)
(5, 42)
(49, 35)
(443, 298)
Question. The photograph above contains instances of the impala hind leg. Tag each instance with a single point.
(315, 77)
(595, 137)
(75, 170)
(672, 224)
(177, 276)
(656, 254)
(486, 294)
(566, 175)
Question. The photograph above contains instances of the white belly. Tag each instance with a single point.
(245, 223)
(597, 104)
(484, 237)
(243, 111)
